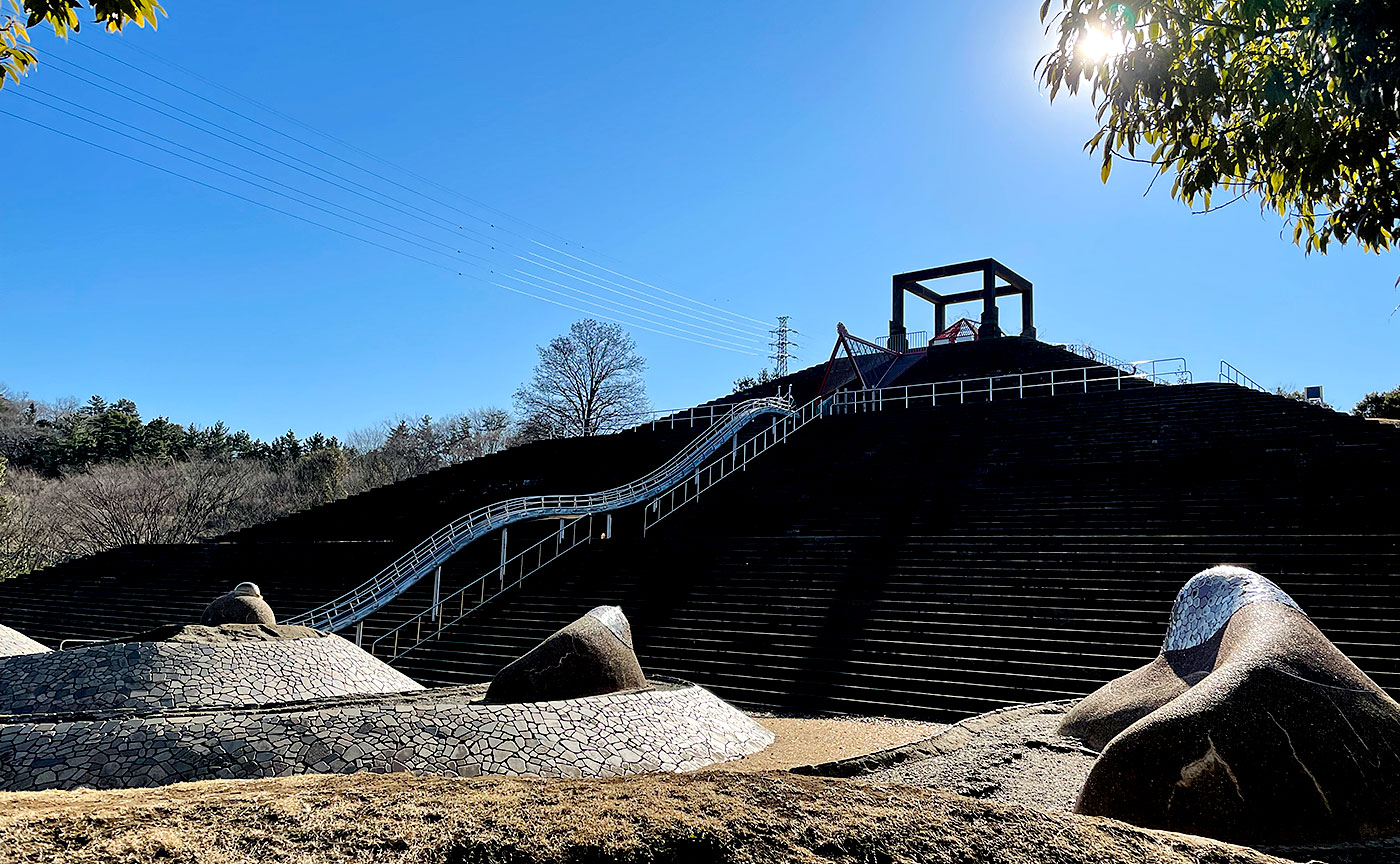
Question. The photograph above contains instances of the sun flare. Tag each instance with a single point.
(1097, 45)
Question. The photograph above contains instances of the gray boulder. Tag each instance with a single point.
(590, 657)
(1250, 726)
(243, 605)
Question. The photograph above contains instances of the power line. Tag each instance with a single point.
(387, 225)
(615, 303)
(342, 142)
(393, 182)
(478, 238)
(702, 316)
(343, 233)
(136, 101)
(275, 182)
(607, 318)
(741, 334)
(647, 284)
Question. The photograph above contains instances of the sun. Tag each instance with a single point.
(1097, 45)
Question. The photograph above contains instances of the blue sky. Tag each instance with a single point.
(763, 158)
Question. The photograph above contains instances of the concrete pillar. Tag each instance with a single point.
(896, 308)
(991, 320)
(940, 318)
(1027, 314)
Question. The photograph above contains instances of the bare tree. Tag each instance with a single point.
(588, 381)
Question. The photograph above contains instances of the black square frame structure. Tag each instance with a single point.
(998, 280)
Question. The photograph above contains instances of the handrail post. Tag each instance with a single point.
(437, 591)
(360, 633)
(504, 532)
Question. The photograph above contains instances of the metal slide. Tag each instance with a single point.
(422, 559)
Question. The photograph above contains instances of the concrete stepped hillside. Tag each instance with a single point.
(308, 558)
(931, 562)
(941, 562)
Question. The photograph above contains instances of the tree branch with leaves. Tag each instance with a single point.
(1295, 103)
(64, 16)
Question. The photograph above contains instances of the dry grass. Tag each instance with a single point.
(716, 816)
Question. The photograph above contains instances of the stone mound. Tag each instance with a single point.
(194, 667)
(243, 605)
(592, 656)
(1250, 726)
(670, 727)
(14, 643)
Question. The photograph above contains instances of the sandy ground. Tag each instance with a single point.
(718, 816)
(812, 740)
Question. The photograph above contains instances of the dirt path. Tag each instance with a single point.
(813, 740)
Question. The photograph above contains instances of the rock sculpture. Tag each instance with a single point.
(1250, 726)
(590, 657)
(243, 605)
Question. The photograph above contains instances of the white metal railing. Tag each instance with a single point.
(911, 340)
(1230, 375)
(427, 624)
(736, 460)
(63, 645)
(1018, 385)
(1157, 370)
(685, 476)
(393, 580)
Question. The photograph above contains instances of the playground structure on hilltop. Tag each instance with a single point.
(923, 536)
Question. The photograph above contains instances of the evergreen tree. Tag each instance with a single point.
(1380, 406)
(161, 439)
(284, 452)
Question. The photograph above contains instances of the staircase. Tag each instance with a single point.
(921, 561)
(938, 563)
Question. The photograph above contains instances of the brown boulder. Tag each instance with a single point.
(1250, 726)
(590, 657)
(243, 605)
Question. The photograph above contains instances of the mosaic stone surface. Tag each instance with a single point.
(150, 676)
(673, 726)
(13, 642)
(1208, 599)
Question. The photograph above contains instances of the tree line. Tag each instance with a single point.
(76, 479)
